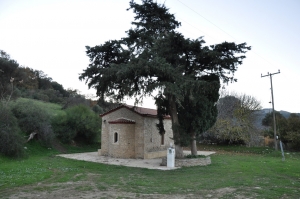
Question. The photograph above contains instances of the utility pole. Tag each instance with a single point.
(274, 121)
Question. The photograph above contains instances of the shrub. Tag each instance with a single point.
(62, 130)
(80, 124)
(41, 96)
(11, 141)
(190, 156)
(293, 138)
(32, 118)
(97, 109)
(45, 134)
(53, 95)
(75, 100)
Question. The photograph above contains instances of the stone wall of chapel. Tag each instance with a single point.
(138, 129)
(153, 138)
(125, 145)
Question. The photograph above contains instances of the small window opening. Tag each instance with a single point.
(162, 139)
(116, 137)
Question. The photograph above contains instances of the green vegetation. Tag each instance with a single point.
(249, 172)
(287, 129)
(195, 156)
(11, 141)
(25, 111)
(49, 108)
(21, 117)
(154, 59)
(236, 118)
(79, 123)
(33, 119)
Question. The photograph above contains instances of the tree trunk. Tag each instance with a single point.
(193, 144)
(175, 126)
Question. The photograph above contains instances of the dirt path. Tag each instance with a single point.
(89, 190)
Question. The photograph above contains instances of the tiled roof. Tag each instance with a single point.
(145, 112)
(122, 121)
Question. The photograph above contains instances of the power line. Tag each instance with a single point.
(197, 29)
(220, 29)
(206, 19)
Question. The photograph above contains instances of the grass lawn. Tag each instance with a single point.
(235, 172)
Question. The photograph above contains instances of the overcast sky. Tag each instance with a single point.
(51, 35)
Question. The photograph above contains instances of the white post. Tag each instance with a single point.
(171, 156)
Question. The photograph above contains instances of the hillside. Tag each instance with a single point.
(52, 109)
(262, 113)
(286, 114)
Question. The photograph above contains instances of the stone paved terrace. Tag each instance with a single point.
(141, 163)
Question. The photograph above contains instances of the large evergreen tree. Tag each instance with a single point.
(155, 57)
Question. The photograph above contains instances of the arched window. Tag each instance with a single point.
(116, 137)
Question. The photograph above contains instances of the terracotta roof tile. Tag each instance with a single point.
(143, 111)
(146, 112)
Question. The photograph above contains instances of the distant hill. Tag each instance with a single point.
(260, 116)
(285, 114)
(262, 113)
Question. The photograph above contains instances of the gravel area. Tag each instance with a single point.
(142, 163)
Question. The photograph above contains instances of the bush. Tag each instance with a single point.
(11, 141)
(41, 96)
(32, 118)
(79, 124)
(97, 109)
(190, 156)
(293, 138)
(63, 131)
(53, 95)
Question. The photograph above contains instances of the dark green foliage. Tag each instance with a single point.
(268, 132)
(268, 119)
(62, 130)
(291, 132)
(293, 138)
(294, 122)
(44, 82)
(195, 156)
(18, 81)
(281, 125)
(58, 87)
(162, 110)
(79, 123)
(198, 111)
(288, 129)
(49, 95)
(75, 101)
(97, 109)
(155, 57)
(8, 68)
(8, 72)
(87, 124)
(39, 95)
(32, 118)
(28, 78)
(11, 141)
(107, 105)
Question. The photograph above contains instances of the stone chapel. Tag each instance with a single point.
(131, 132)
